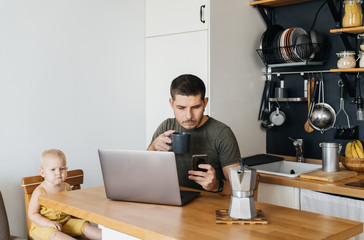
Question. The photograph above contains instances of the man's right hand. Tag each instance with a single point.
(161, 142)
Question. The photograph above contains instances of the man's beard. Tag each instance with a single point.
(198, 122)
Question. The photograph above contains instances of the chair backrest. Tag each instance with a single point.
(4, 224)
(74, 178)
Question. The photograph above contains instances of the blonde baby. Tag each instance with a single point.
(48, 223)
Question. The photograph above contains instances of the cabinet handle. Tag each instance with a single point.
(202, 13)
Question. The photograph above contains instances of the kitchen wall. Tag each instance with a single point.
(72, 77)
(302, 15)
(235, 74)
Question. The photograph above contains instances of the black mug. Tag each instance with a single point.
(180, 142)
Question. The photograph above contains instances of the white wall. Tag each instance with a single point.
(71, 77)
(236, 72)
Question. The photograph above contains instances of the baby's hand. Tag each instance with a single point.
(56, 225)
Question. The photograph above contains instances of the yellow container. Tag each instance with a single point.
(352, 13)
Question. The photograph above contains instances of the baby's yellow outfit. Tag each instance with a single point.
(70, 226)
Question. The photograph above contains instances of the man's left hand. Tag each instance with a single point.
(206, 179)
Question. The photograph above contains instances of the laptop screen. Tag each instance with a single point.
(140, 176)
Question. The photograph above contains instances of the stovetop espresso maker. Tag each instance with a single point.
(242, 181)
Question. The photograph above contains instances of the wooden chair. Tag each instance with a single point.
(74, 178)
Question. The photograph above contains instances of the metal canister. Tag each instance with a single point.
(330, 156)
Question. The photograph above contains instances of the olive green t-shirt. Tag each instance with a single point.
(213, 138)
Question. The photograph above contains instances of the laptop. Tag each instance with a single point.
(142, 176)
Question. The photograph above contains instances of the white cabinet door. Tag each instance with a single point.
(111, 234)
(175, 16)
(279, 195)
(166, 58)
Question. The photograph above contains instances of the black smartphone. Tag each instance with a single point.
(199, 159)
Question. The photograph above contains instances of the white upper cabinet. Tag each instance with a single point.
(175, 16)
(166, 58)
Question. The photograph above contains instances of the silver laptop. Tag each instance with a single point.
(142, 176)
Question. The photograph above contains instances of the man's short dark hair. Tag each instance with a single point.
(188, 85)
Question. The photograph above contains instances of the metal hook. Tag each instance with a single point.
(281, 76)
(358, 75)
(321, 92)
(279, 106)
(287, 103)
(340, 83)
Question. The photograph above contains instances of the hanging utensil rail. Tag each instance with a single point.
(297, 72)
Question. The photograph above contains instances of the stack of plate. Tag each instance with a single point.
(279, 45)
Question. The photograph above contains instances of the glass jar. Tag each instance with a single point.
(361, 41)
(346, 59)
(352, 13)
(361, 56)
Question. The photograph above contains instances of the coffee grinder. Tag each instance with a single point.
(242, 181)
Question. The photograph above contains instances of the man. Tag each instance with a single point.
(208, 136)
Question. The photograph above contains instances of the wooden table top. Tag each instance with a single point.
(196, 220)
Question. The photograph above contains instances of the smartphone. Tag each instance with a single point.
(199, 159)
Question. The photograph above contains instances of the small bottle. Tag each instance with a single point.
(352, 13)
(361, 41)
(346, 59)
(361, 56)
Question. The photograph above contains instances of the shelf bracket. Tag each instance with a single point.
(334, 12)
(267, 19)
(346, 42)
(349, 87)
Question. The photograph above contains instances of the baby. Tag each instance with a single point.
(48, 223)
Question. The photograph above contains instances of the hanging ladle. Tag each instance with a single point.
(323, 116)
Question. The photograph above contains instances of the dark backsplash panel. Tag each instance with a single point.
(278, 141)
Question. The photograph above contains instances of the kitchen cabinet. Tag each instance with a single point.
(333, 205)
(174, 16)
(214, 40)
(176, 43)
(280, 195)
(328, 198)
(165, 59)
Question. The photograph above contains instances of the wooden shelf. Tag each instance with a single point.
(352, 30)
(347, 70)
(276, 3)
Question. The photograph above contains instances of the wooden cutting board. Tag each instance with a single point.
(328, 176)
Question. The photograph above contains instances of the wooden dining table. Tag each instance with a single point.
(196, 219)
